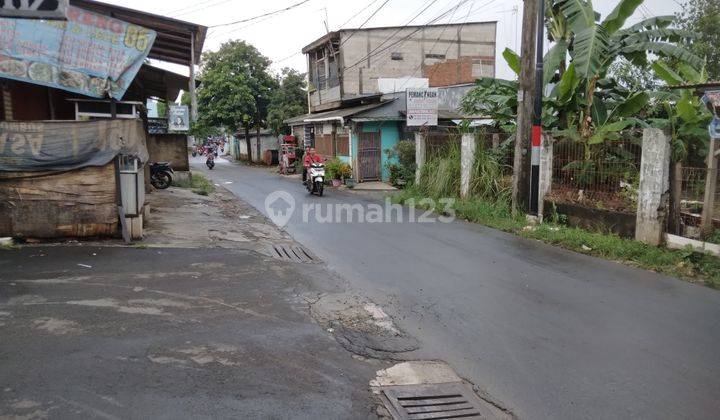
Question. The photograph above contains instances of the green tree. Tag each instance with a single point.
(235, 90)
(586, 103)
(288, 100)
(702, 18)
(162, 109)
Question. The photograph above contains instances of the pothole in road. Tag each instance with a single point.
(362, 327)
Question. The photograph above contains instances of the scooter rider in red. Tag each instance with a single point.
(310, 157)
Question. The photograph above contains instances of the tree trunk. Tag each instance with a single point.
(257, 132)
(247, 143)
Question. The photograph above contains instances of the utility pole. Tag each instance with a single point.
(521, 163)
(537, 113)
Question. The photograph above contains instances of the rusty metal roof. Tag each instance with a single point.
(173, 36)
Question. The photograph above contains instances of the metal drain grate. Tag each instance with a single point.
(292, 253)
(437, 401)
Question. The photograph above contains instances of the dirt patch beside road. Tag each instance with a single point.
(179, 218)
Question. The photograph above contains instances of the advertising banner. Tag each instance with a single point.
(67, 145)
(179, 118)
(422, 107)
(34, 9)
(89, 54)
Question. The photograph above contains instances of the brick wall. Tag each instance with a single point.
(459, 71)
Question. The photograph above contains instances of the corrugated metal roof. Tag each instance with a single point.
(173, 36)
(333, 115)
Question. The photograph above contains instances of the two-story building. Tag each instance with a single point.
(355, 75)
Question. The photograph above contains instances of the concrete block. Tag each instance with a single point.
(467, 160)
(546, 168)
(135, 226)
(654, 191)
(182, 176)
(680, 242)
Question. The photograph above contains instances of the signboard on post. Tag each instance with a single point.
(34, 9)
(179, 118)
(157, 126)
(422, 107)
(712, 101)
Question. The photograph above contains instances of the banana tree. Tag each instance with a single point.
(593, 46)
(686, 116)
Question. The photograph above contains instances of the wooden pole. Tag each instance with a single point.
(521, 162)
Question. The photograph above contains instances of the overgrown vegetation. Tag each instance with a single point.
(597, 87)
(402, 173)
(197, 183)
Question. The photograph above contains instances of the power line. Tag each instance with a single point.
(370, 54)
(435, 43)
(262, 15)
(366, 21)
(375, 51)
(358, 13)
(198, 6)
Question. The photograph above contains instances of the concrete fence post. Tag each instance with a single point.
(546, 171)
(419, 154)
(467, 160)
(654, 191)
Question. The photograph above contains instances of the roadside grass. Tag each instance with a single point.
(685, 263)
(198, 183)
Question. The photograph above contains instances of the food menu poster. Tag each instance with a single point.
(89, 54)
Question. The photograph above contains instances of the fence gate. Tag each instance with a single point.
(369, 155)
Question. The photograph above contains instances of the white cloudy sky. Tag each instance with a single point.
(281, 37)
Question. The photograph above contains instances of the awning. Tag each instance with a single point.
(334, 115)
(173, 36)
(160, 83)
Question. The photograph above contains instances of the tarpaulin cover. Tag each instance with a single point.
(68, 145)
(90, 54)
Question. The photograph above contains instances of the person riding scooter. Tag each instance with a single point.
(310, 157)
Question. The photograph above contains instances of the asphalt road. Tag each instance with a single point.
(169, 334)
(549, 333)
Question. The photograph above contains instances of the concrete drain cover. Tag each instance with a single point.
(292, 253)
(436, 401)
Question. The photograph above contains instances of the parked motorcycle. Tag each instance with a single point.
(316, 179)
(210, 162)
(161, 175)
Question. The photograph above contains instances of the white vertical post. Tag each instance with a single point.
(654, 192)
(706, 225)
(467, 160)
(419, 154)
(546, 168)
(193, 94)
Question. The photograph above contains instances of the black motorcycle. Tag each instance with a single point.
(161, 175)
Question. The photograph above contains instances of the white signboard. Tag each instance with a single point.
(34, 9)
(178, 118)
(422, 107)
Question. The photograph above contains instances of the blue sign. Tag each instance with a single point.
(89, 54)
(714, 128)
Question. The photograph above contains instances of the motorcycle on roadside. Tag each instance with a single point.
(161, 175)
